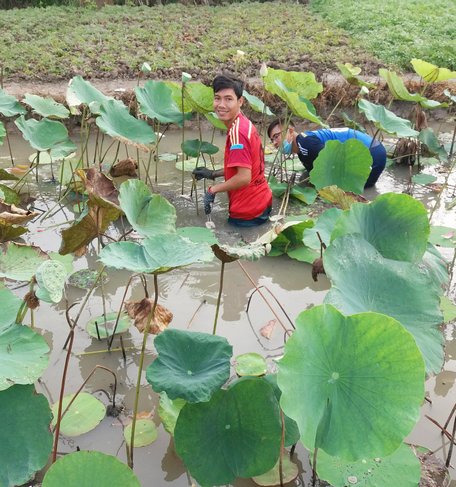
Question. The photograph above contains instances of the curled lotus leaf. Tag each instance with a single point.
(430, 72)
(46, 107)
(195, 147)
(140, 311)
(303, 83)
(227, 253)
(257, 104)
(200, 98)
(169, 410)
(80, 92)
(190, 365)
(343, 199)
(350, 73)
(20, 261)
(44, 134)
(324, 227)
(363, 369)
(9, 106)
(99, 184)
(14, 214)
(215, 121)
(9, 231)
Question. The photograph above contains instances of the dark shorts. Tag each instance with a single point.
(259, 220)
(378, 153)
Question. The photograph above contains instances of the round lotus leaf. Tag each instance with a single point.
(84, 468)
(50, 277)
(423, 179)
(85, 278)
(347, 165)
(190, 365)
(42, 135)
(46, 107)
(401, 469)
(23, 355)
(396, 225)
(149, 214)
(20, 262)
(107, 324)
(252, 364)
(195, 147)
(145, 433)
(83, 415)
(169, 410)
(353, 384)
(289, 473)
(9, 106)
(362, 280)
(443, 236)
(236, 434)
(198, 234)
(25, 436)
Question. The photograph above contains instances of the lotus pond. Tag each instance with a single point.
(202, 356)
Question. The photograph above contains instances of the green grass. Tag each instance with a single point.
(398, 30)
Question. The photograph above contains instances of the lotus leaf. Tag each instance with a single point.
(339, 371)
(83, 415)
(145, 433)
(363, 280)
(401, 469)
(83, 92)
(435, 266)
(149, 214)
(396, 225)
(386, 120)
(215, 121)
(9, 304)
(25, 437)
(198, 234)
(105, 328)
(448, 309)
(304, 194)
(340, 197)
(397, 87)
(20, 262)
(324, 227)
(50, 277)
(43, 135)
(257, 104)
(169, 410)
(423, 179)
(116, 121)
(430, 72)
(168, 157)
(10, 231)
(289, 473)
(250, 364)
(90, 468)
(346, 165)
(350, 73)
(187, 165)
(236, 434)
(46, 107)
(200, 97)
(176, 93)
(23, 352)
(2, 135)
(155, 100)
(8, 195)
(195, 147)
(443, 236)
(141, 310)
(62, 150)
(227, 253)
(190, 365)
(428, 138)
(85, 278)
(450, 96)
(303, 83)
(9, 106)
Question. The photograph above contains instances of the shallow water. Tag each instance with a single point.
(191, 294)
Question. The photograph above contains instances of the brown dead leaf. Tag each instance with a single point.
(268, 329)
(144, 415)
(317, 268)
(31, 300)
(81, 251)
(140, 310)
(14, 215)
(100, 185)
(126, 167)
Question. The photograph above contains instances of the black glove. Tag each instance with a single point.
(208, 201)
(203, 173)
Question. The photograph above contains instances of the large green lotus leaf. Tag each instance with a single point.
(2, 135)
(236, 434)
(215, 121)
(84, 468)
(63, 149)
(23, 355)
(289, 473)
(9, 304)
(428, 138)
(190, 365)
(397, 87)
(8, 195)
(252, 251)
(198, 234)
(386, 120)
(157, 254)
(363, 280)
(304, 194)
(257, 104)
(25, 436)
(9, 106)
(46, 107)
(346, 165)
(84, 414)
(200, 97)
(354, 384)
(50, 277)
(115, 120)
(401, 469)
(155, 100)
(106, 325)
(324, 227)
(43, 135)
(396, 225)
(145, 433)
(83, 92)
(169, 410)
(176, 94)
(195, 147)
(149, 214)
(20, 262)
(443, 236)
(430, 72)
(350, 73)
(303, 83)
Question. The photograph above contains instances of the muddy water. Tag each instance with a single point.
(191, 295)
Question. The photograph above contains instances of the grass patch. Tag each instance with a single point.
(397, 31)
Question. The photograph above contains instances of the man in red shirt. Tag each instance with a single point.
(249, 195)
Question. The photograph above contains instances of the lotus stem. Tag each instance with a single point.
(441, 428)
(314, 467)
(141, 363)
(37, 164)
(450, 450)
(452, 141)
(156, 153)
(96, 352)
(96, 149)
(9, 146)
(282, 443)
(449, 417)
(219, 298)
(183, 135)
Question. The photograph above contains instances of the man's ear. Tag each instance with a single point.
(241, 101)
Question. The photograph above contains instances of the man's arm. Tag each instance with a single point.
(241, 179)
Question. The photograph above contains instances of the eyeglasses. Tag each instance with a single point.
(276, 136)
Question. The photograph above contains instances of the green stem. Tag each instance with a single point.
(219, 298)
(9, 146)
(183, 135)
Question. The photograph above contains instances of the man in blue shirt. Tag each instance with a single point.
(308, 144)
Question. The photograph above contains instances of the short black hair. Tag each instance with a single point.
(223, 82)
(276, 122)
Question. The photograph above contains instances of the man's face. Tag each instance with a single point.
(276, 136)
(227, 105)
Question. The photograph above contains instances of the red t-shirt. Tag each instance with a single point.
(244, 149)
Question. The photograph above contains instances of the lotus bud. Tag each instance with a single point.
(263, 70)
(186, 77)
(145, 68)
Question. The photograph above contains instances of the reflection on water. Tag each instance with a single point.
(190, 294)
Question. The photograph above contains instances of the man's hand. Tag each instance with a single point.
(203, 173)
(208, 200)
